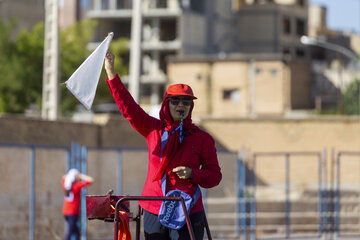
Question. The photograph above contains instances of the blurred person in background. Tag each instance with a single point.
(179, 151)
(72, 184)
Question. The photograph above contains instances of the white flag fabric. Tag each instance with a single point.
(83, 82)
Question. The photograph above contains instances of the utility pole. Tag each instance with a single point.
(135, 50)
(50, 92)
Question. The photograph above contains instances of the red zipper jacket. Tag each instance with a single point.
(71, 204)
(197, 152)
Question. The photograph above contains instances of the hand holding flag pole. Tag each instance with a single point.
(83, 82)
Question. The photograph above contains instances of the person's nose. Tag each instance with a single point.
(181, 103)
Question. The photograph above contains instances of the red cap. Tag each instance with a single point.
(179, 90)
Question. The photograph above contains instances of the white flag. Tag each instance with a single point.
(83, 82)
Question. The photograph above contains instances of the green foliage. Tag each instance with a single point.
(21, 65)
(351, 98)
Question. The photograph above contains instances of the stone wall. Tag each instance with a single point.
(116, 132)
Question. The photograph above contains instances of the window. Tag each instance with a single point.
(286, 25)
(301, 3)
(84, 4)
(145, 90)
(232, 95)
(300, 52)
(286, 51)
(273, 72)
(104, 4)
(300, 27)
(258, 71)
(197, 5)
(124, 4)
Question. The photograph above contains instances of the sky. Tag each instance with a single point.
(341, 14)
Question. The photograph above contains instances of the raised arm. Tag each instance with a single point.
(137, 117)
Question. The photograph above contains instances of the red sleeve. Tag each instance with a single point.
(138, 118)
(77, 186)
(209, 175)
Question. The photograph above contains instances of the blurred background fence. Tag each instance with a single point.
(263, 195)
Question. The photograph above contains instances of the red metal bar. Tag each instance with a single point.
(145, 198)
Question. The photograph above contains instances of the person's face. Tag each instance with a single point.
(178, 105)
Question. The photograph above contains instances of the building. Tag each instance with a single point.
(169, 28)
(333, 57)
(26, 12)
(72, 11)
(272, 26)
(244, 85)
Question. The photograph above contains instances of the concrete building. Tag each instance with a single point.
(193, 28)
(27, 12)
(244, 85)
(333, 58)
(274, 27)
(71, 11)
(168, 28)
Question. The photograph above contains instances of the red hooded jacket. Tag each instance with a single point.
(197, 151)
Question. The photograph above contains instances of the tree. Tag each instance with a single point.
(352, 98)
(21, 65)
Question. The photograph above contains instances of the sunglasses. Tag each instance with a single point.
(175, 101)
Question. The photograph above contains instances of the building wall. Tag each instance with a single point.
(300, 86)
(229, 76)
(239, 88)
(61, 133)
(68, 13)
(317, 20)
(193, 38)
(262, 28)
(270, 88)
(276, 134)
(355, 43)
(253, 34)
(286, 135)
(27, 12)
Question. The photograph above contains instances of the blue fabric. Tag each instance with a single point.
(171, 213)
(154, 230)
(72, 227)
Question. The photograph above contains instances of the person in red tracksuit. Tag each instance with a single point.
(188, 158)
(72, 184)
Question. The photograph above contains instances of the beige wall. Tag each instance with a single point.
(317, 19)
(22, 130)
(270, 87)
(286, 135)
(228, 76)
(355, 43)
